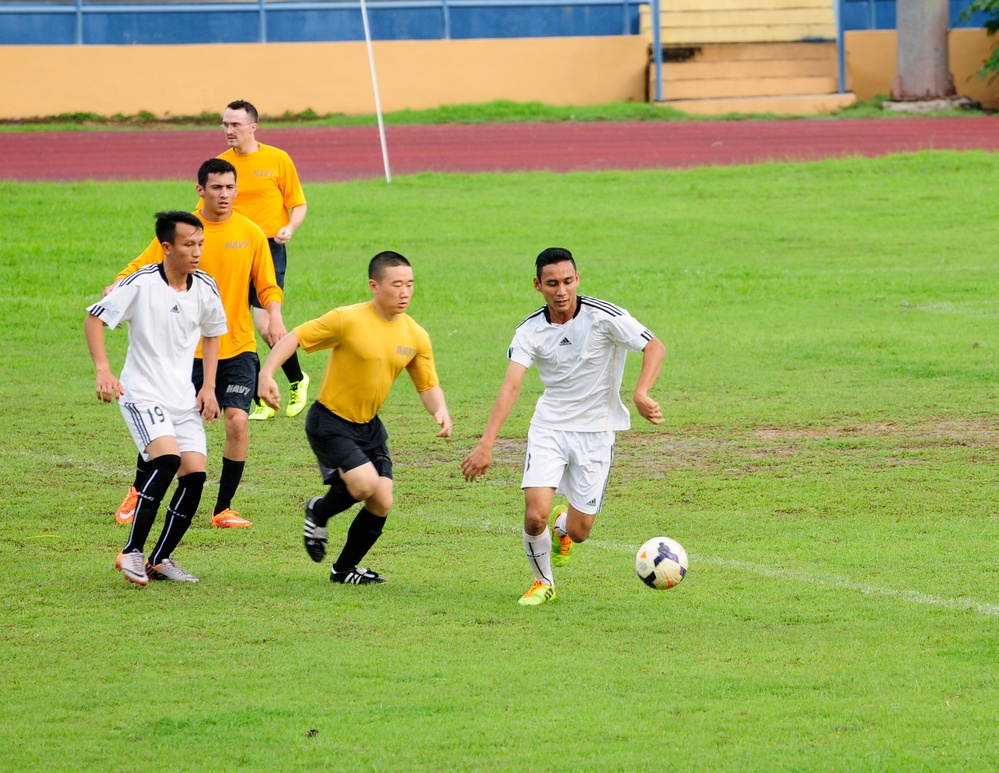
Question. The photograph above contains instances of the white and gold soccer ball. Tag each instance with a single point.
(661, 563)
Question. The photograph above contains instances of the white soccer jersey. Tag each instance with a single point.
(164, 327)
(581, 364)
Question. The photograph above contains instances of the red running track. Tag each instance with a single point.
(336, 153)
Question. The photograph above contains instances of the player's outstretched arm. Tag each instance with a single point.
(433, 401)
(267, 388)
(652, 360)
(208, 404)
(108, 388)
(474, 465)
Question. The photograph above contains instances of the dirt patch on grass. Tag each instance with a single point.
(742, 451)
(654, 451)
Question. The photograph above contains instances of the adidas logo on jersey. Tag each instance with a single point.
(565, 342)
(592, 503)
(175, 310)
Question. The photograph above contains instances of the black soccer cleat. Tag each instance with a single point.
(358, 575)
(314, 534)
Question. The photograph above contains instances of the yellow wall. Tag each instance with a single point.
(872, 61)
(334, 77)
(326, 77)
(701, 22)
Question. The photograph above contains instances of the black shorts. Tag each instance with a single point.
(235, 381)
(279, 252)
(343, 445)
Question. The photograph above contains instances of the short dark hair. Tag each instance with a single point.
(384, 260)
(166, 224)
(242, 104)
(214, 166)
(551, 256)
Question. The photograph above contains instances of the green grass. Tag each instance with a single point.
(828, 461)
(499, 111)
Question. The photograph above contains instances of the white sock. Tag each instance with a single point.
(560, 524)
(539, 556)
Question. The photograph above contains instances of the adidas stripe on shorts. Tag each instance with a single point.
(575, 464)
(147, 421)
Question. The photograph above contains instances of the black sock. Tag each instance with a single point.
(141, 471)
(337, 499)
(180, 513)
(292, 370)
(154, 488)
(232, 473)
(362, 534)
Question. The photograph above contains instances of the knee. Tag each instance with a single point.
(363, 490)
(535, 522)
(379, 504)
(237, 424)
(194, 482)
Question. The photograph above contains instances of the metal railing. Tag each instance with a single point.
(262, 9)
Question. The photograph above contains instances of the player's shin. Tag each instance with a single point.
(539, 556)
(363, 533)
(161, 472)
(180, 513)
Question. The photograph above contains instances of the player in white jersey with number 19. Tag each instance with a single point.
(169, 307)
(579, 345)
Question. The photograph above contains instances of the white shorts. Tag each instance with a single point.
(576, 464)
(148, 421)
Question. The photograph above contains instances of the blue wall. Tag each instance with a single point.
(94, 23)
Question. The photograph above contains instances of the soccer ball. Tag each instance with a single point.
(661, 563)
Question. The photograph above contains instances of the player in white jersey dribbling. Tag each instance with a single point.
(169, 307)
(578, 345)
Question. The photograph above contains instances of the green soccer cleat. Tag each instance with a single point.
(561, 546)
(538, 594)
(261, 411)
(298, 396)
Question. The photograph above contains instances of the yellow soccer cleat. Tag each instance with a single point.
(538, 594)
(261, 411)
(298, 396)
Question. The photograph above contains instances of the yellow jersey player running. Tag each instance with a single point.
(271, 195)
(235, 253)
(370, 345)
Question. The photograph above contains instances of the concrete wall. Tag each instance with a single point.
(872, 61)
(326, 77)
(334, 77)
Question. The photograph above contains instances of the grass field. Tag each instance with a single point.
(499, 111)
(828, 460)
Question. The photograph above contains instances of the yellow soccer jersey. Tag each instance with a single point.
(267, 185)
(235, 252)
(368, 354)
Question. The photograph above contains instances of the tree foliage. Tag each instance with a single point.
(990, 9)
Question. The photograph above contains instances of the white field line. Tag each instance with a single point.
(797, 575)
(62, 460)
(827, 581)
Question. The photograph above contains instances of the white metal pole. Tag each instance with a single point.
(657, 48)
(374, 84)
